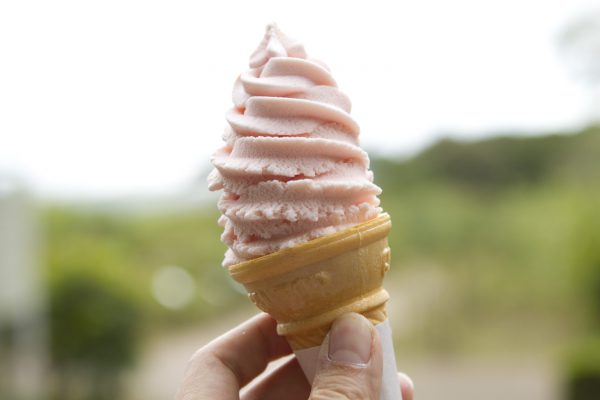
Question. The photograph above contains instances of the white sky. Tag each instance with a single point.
(114, 98)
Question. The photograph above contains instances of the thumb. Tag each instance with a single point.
(350, 361)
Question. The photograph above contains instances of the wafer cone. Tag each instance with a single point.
(306, 287)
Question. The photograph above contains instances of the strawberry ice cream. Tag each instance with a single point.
(291, 169)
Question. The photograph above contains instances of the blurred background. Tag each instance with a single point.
(482, 120)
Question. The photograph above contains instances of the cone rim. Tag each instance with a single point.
(316, 250)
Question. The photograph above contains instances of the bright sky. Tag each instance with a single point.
(115, 98)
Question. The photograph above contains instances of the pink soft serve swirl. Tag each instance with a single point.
(291, 169)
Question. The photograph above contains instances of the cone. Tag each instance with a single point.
(306, 287)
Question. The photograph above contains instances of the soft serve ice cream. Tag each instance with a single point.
(291, 169)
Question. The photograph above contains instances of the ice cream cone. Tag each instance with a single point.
(306, 287)
(292, 170)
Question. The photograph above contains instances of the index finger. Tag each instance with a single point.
(222, 367)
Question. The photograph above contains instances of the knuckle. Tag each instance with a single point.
(198, 357)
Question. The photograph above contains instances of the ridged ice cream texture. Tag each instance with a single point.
(291, 169)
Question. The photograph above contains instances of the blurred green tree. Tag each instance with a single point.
(495, 164)
(587, 260)
(583, 376)
(93, 331)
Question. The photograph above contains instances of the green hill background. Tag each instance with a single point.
(496, 249)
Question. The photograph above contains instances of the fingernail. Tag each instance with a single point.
(350, 339)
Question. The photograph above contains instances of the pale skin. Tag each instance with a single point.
(232, 361)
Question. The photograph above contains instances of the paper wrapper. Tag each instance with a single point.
(306, 287)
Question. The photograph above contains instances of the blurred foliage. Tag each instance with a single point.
(583, 374)
(125, 251)
(500, 237)
(93, 330)
(586, 258)
(100, 269)
(496, 164)
(510, 225)
(504, 215)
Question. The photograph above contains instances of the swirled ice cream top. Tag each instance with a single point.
(291, 169)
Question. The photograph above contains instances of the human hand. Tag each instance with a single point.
(348, 367)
